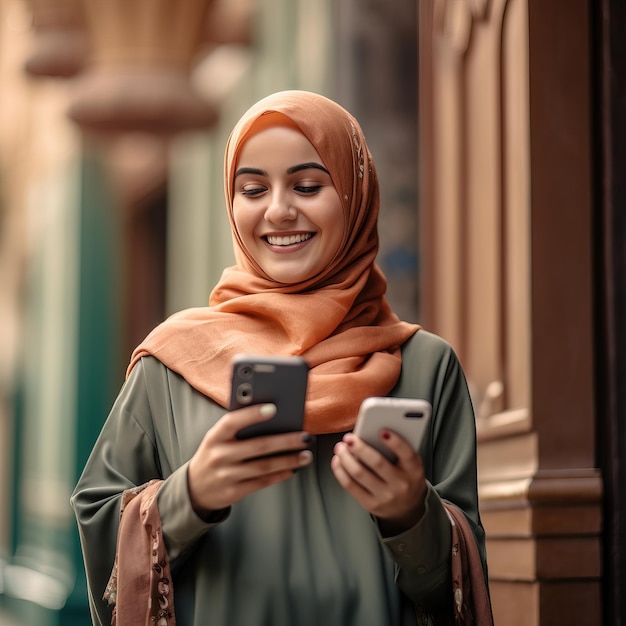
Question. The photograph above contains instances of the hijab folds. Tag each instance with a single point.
(339, 321)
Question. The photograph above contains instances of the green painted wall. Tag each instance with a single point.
(69, 375)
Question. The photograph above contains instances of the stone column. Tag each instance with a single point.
(506, 193)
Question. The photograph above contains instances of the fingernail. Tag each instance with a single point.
(268, 410)
(385, 434)
(307, 438)
(305, 457)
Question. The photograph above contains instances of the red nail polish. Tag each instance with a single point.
(385, 434)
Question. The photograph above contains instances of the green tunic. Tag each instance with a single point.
(302, 552)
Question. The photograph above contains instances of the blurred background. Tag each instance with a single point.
(499, 134)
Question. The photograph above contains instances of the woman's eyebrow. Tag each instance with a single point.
(292, 170)
(307, 166)
(250, 170)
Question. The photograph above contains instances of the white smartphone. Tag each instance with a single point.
(408, 417)
(281, 380)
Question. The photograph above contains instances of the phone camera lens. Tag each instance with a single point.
(245, 372)
(244, 393)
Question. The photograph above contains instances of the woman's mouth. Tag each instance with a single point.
(287, 240)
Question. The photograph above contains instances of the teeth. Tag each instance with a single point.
(288, 240)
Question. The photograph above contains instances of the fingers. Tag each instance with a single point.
(225, 469)
(267, 465)
(355, 488)
(234, 421)
(224, 433)
(221, 489)
(241, 480)
(399, 446)
(393, 492)
(220, 475)
(361, 463)
(406, 458)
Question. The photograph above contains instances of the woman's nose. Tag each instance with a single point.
(280, 209)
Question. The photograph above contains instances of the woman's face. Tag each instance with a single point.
(285, 207)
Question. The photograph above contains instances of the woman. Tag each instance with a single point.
(221, 531)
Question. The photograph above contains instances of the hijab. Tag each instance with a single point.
(339, 321)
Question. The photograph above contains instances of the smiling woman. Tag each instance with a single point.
(244, 531)
(286, 209)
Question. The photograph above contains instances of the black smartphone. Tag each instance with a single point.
(280, 380)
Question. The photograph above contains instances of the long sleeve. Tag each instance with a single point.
(122, 458)
(127, 455)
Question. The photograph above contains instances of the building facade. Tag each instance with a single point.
(496, 129)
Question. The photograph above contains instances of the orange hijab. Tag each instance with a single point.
(339, 321)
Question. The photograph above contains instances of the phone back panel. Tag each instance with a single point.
(281, 380)
(408, 417)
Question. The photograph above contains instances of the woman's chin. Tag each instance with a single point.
(291, 276)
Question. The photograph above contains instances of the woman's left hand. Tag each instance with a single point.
(394, 493)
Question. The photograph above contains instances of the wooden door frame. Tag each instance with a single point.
(610, 189)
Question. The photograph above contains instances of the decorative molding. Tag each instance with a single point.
(138, 74)
(566, 487)
(60, 45)
(583, 486)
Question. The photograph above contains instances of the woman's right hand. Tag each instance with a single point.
(225, 469)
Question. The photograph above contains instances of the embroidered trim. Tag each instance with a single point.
(160, 597)
(160, 583)
(110, 593)
(359, 151)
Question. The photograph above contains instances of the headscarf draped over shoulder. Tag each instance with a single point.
(339, 321)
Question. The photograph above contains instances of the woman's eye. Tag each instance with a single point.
(308, 189)
(252, 191)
